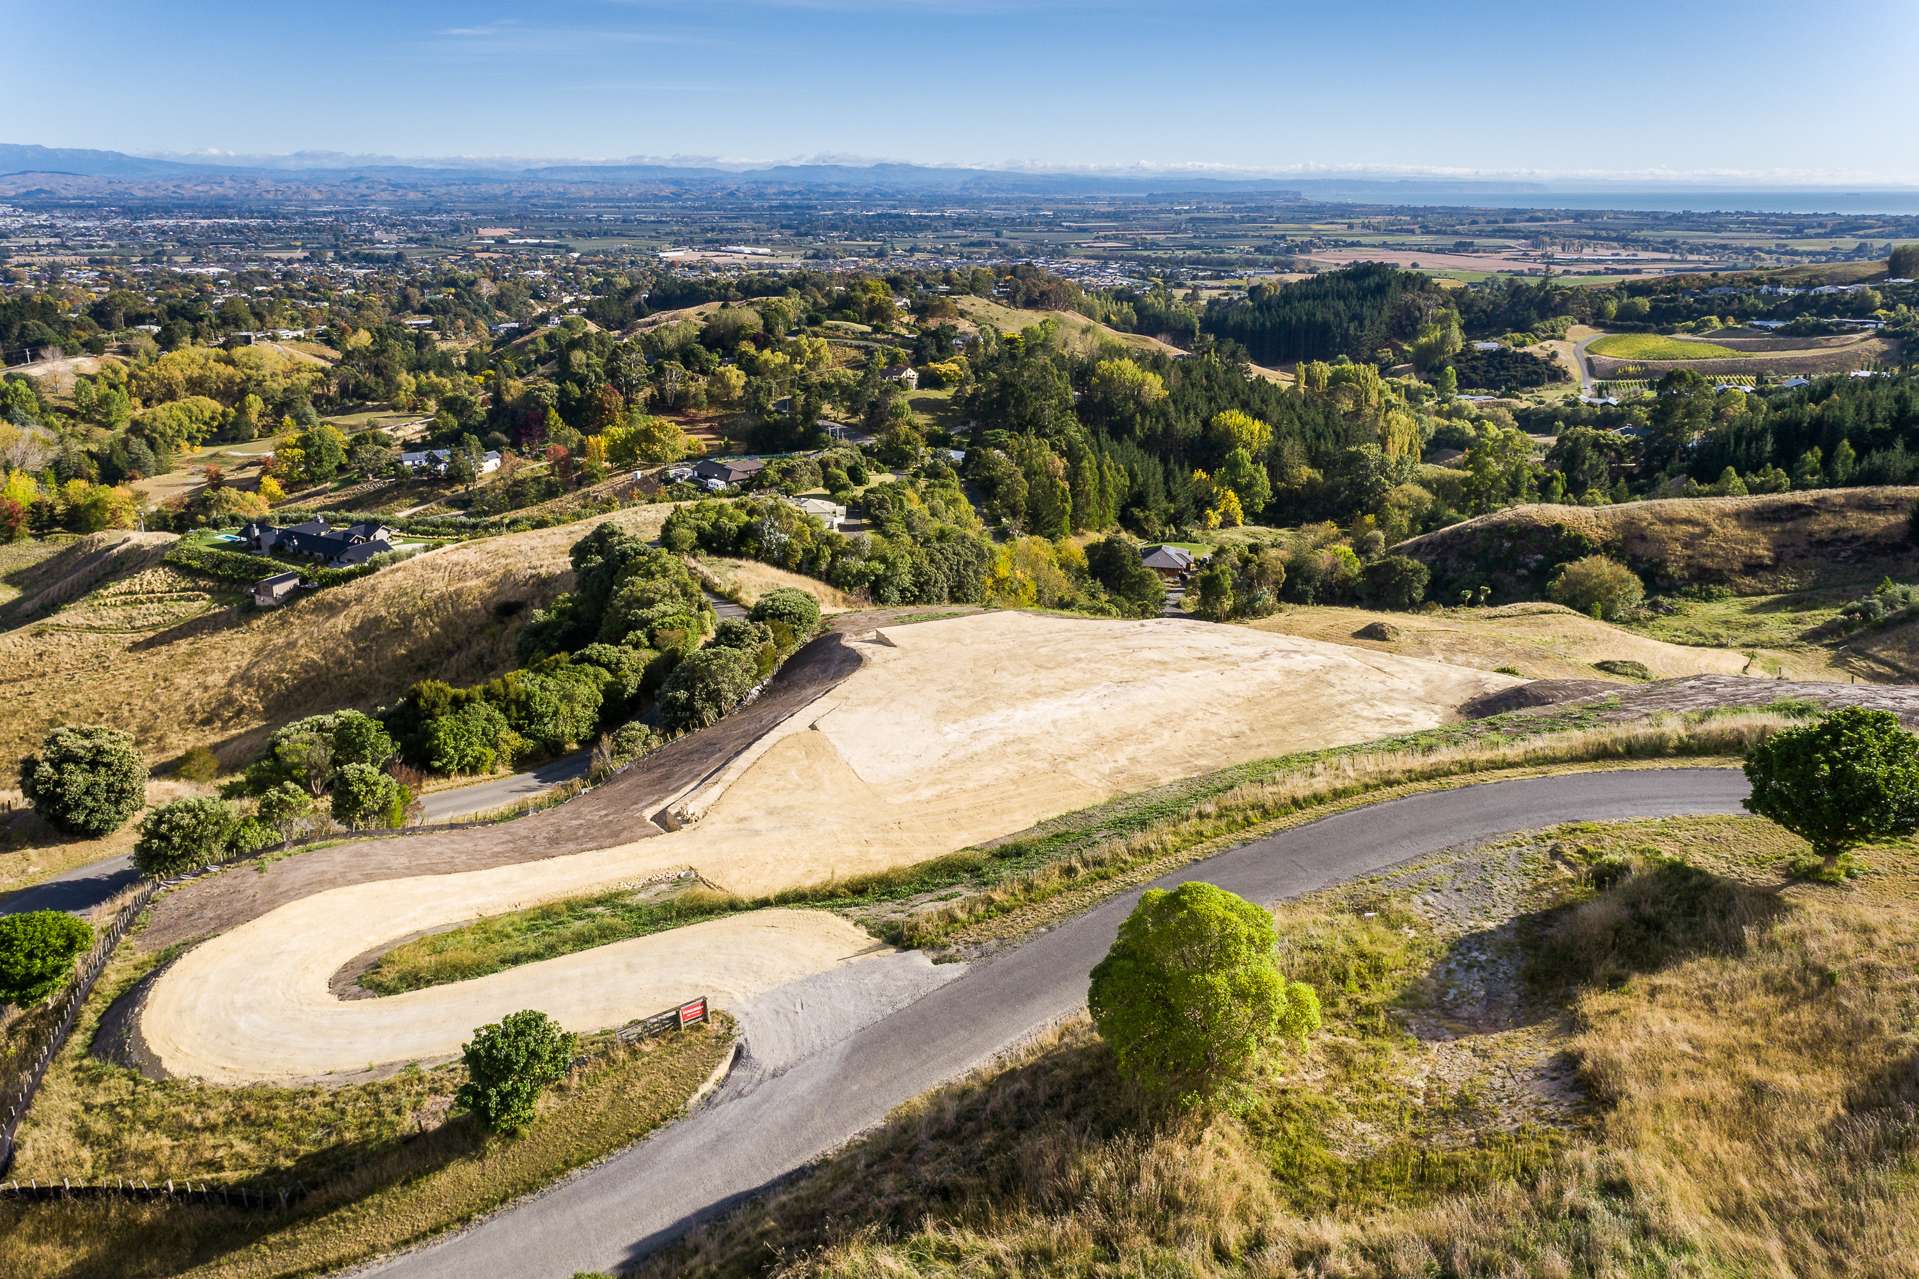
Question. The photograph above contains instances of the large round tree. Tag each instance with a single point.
(85, 781)
(1847, 778)
(1191, 997)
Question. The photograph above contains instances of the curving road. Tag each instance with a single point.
(85, 889)
(771, 1120)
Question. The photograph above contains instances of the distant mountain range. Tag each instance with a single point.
(57, 174)
(73, 170)
(22, 162)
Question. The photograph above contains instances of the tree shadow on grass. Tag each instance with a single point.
(1638, 919)
(147, 1239)
(1014, 1142)
(1661, 913)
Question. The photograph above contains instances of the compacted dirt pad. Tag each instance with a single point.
(949, 734)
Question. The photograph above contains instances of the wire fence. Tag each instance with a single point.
(183, 1192)
(18, 1093)
(251, 1196)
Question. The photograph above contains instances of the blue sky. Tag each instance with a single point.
(1788, 91)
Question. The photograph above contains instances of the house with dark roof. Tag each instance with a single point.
(316, 540)
(1174, 563)
(715, 473)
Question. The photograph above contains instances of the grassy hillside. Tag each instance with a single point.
(174, 659)
(50, 574)
(1751, 545)
(1566, 1054)
(1540, 641)
(1077, 333)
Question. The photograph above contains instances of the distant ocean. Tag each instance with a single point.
(1658, 201)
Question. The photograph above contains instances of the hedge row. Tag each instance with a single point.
(246, 569)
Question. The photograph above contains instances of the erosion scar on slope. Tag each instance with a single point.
(950, 733)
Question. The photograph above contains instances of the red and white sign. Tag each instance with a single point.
(693, 1010)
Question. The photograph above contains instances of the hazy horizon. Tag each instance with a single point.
(1763, 95)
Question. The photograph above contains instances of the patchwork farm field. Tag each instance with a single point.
(1648, 355)
(1654, 346)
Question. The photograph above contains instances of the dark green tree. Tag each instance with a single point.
(1849, 777)
(184, 836)
(85, 781)
(365, 796)
(705, 686)
(1115, 564)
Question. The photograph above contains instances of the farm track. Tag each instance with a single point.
(611, 813)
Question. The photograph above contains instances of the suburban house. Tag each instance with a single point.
(1173, 563)
(316, 540)
(435, 461)
(716, 474)
(831, 514)
(904, 374)
(271, 592)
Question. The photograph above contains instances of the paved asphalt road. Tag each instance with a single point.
(760, 1129)
(483, 797)
(78, 890)
(86, 887)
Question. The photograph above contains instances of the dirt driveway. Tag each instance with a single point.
(614, 813)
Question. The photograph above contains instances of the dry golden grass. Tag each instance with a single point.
(43, 583)
(222, 680)
(1541, 641)
(18, 560)
(747, 580)
(385, 1163)
(1077, 334)
(1752, 544)
(1749, 1104)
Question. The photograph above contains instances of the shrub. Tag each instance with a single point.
(365, 796)
(1624, 666)
(1846, 778)
(199, 765)
(473, 739)
(252, 835)
(285, 809)
(1396, 581)
(308, 752)
(706, 686)
(37, 950)
(184, 836)
(85, 781)
(554, 708)
(797, 609)
(1602, 587)
(1190, 997)
(755, 639)
(632, 741)
(509, 1063)
(626, 669)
